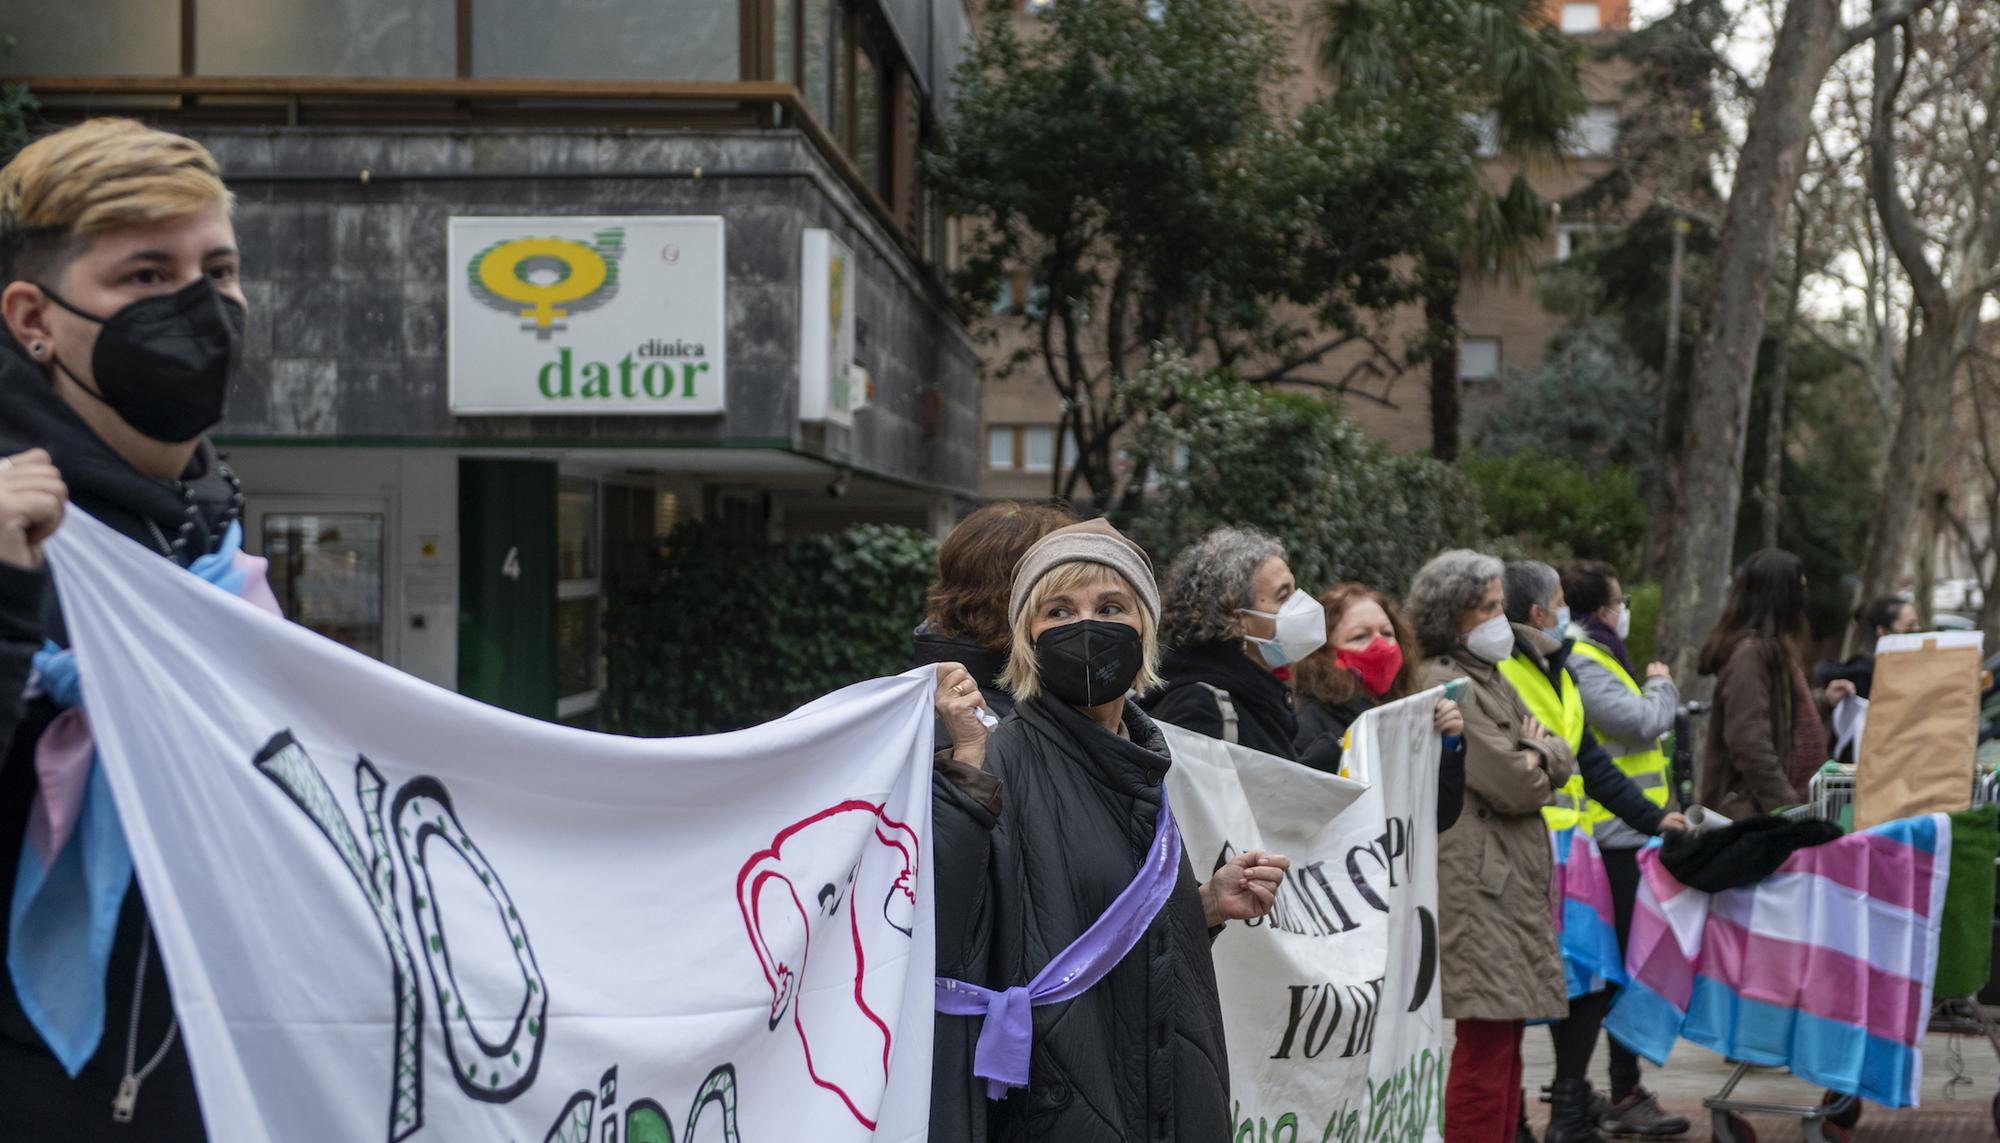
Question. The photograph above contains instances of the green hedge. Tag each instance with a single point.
(1556, 509)
(1291, 464)
(728, 633)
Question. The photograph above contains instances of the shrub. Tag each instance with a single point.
(1290, 464)
(728, 633)
(1556, 509)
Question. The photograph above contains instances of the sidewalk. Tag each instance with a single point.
(1693, 1073)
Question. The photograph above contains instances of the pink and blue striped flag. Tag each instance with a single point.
(1824, 968)
(1580, 900)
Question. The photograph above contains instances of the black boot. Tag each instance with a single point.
(1570, 1118)
(1522, 1132)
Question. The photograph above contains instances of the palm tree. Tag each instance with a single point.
(1494, 72)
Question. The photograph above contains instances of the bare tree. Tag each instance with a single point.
(1933, 172)
(1701, 532)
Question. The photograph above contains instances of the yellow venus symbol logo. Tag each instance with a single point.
(547, 279)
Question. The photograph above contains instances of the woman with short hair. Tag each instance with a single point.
(1056, 823)
(965, 618)
(1370, 658)
(1235, 622)
(1501, 962)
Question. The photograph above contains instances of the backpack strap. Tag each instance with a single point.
(1228, 707)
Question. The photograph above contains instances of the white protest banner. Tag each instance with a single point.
(391, 913)
(1330, 1004)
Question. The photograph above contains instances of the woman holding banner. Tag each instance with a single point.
(1370, 658)
(1076, 996)
(1501, 963)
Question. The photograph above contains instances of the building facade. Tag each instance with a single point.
(531, 284)
(1502, 322)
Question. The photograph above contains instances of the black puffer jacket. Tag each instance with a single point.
(1265, 719)
(38, 1101)
(986, 665)
(1140, 1056)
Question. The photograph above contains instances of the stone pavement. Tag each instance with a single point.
(1965, 1112)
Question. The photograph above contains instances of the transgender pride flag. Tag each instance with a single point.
(1580, 900)
(1824, 968)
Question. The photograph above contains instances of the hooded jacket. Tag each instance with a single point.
(182, 520)
(1139, 1057)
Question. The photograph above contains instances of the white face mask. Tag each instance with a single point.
(1491, 641)
(1301, 630)
(1625, 622)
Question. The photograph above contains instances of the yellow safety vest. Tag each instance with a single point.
(1562, 716)
(1648, 769)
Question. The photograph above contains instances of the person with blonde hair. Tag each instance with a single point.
(1076, 994)
(121, 326)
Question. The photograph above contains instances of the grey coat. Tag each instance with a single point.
(1501, 960)
(1626, 724)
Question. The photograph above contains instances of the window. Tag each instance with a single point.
(326, 37)
(77, 37)
(1021, 448)
(1038, 448)
(1595, 131)
(1578, 19)
(579, 601)
(326, 570)
(812, 72)
(1573, 238)
(866, 146)
(1478, 358)
(785, 41)
(603, 39)
(1021, 294)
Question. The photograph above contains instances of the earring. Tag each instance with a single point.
(38, 349)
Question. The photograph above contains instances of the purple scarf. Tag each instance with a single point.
(1608, 639)
(1001, 1058)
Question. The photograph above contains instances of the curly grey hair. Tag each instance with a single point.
(1442, 591)
(1210, 582)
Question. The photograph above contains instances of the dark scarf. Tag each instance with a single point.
(1604, 636)
(185, 518)
(1258, 694)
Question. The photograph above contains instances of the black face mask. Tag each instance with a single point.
(1089, 662)
(163, 364)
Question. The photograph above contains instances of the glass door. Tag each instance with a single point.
(329, 569)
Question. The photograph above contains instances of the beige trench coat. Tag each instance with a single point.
(1500, 957)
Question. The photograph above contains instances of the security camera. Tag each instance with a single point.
(837, 487)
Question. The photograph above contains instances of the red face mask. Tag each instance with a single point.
(1378, 664)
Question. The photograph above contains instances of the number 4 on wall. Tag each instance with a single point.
(511, 566)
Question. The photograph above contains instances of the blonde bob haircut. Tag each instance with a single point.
(101, 175)
(1022, 677)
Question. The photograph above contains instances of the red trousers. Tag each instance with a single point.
(1482, 1091)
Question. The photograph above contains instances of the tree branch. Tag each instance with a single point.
(1884, 19)
(1899, 224)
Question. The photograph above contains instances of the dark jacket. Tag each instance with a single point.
(1746, 769)
(1265, 719)
(1603, 782)
(38, 1101)
(985, 664)
(1860, 670)
(1321, 724)
(1140, 1056)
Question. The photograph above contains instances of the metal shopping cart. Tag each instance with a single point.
(1831, 797)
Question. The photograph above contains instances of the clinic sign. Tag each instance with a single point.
(605, 316)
